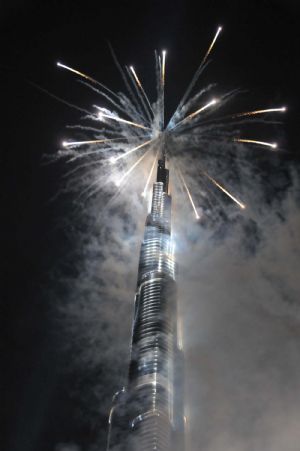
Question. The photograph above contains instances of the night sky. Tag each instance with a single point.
(258, 51)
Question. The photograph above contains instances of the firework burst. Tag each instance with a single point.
(133, 131)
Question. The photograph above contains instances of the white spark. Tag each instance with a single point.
(189, 195)
(253, 141)
(124, 155)
(118, 119)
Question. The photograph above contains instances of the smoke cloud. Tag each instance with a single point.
(241, 316)
(238, 299)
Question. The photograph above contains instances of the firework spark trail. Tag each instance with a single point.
(195, 113)
(123, 75)
(86, 77)
(243, 206)
(188, 193)
(162, 100)
(150, 175)
(211, 45)
(123, 106)
(213, 121)
(212, 102)
(142, 89)
(194, 100)
(218, 200)
(255, 112)
(163, 69)
(196, 75)
(117, 127)
(157, 70)
(253, 141)
(180, 334)
(162, 65)
(139, 95)
(79, 156)
(89, 129)
(94, 141)
(77, 72)
(136, 78)
(120, 181)
(131, 109)
(118, 119)
(124, 155)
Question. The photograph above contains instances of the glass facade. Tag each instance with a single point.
(148, 417)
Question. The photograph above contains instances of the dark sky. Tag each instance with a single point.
(258, 51)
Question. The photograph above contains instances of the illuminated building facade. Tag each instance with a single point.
(147, 415)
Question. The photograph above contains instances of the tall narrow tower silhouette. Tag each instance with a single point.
(147, 415)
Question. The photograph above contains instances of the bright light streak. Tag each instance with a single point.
(149, 176)
(255, 112)
(179, 344)
(163, 71)
(111, 414)
(124, 155)
(81, 74)
(190, 116)
(211, 45)
(243, 206)
(186, 423)
(81, 143)
(209, 104)
(162, 99)
(189, 195)
(252, 141)
(141, 88)
(120, 181)
(135, 76)
(196, 76)
(118, 119)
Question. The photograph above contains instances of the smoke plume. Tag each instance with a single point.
(238, 299)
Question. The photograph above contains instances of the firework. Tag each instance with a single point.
(124, 155)
(253, 141)
(149, 176)
(129, 126)
(127, 173)
(189, 195)
(239, 203)
(256, 112)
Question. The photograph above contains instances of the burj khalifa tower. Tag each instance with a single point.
(147, 414)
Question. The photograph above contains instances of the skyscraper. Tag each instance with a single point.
(147, 415)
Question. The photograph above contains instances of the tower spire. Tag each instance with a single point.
(163, 173)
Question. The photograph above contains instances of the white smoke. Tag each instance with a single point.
(238, 298)
(242, 314)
